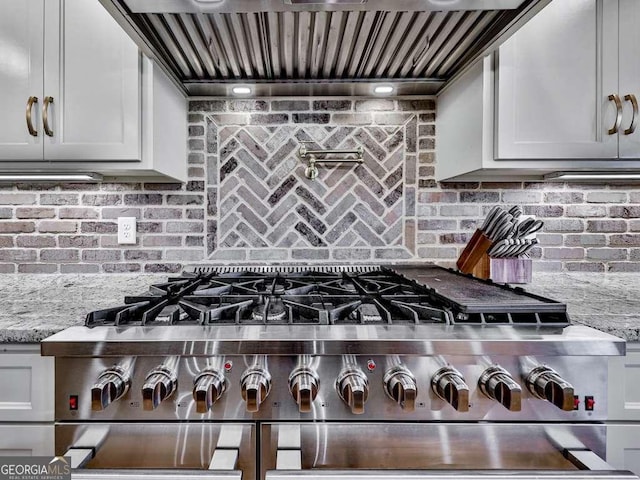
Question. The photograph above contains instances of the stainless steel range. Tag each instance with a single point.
(336, 372)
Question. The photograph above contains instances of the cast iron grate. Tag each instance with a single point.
(310, 297)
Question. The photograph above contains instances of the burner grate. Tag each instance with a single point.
(322, 296)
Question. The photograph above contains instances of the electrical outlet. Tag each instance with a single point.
(126, 230)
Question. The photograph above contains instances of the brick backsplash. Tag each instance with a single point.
(71, 228)
(247, 200)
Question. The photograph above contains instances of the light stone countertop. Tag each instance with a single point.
(36, 306)
(609, 302)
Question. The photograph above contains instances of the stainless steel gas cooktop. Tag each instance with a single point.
(326, 296)
(229, 372)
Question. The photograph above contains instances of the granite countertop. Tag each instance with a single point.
(609, 302)
(37, 306)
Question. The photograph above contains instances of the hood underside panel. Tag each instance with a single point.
(206, 50)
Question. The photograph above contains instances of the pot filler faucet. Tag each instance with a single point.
(311, 171)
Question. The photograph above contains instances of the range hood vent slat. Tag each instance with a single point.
(462, 30)
(465, 43)
(315, 43)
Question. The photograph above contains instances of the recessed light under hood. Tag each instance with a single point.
(318, 47)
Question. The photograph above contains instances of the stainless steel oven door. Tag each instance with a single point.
(182, 451)
(385, 451)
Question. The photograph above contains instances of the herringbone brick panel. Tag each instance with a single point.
(265, 201)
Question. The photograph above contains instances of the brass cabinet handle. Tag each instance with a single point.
(616, 126)
(634, 104)
(45, 116)
(32, 131)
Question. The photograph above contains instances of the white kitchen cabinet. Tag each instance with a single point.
(553, 80)
(26, 401)
(629, 81)
(29, 379)
(624, 386)
(467, 136)
(110, 110)
(92, 72)
(560, 80)
(163, 119)
(541, 103)
(85, 73)
(623, 439)
(21, 77)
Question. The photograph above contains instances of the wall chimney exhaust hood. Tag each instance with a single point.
(318, 47)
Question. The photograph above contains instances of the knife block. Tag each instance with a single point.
(473, 252)
(504, 270)
(482, 269)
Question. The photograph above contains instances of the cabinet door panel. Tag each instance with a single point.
(554, 77)
(629, 73)
(27, 440)
(21, 75)
(92, 71)
(30, 398)
(624, 385)
(623, 447)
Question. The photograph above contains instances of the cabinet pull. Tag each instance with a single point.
(32, 131)
(616, 126)
(45, 116)
(634, 104)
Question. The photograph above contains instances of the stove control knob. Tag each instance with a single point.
(303, 385)
(448, 384)
(400, 385)
(159, 385)
(353, 388)
(112, 384)
(545, 383)
(497, 384)
(208, 386)
(255, 385)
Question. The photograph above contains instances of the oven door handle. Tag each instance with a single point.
(449, 475)
(591, 467)
(145, 474)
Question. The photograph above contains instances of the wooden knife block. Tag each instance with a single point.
(504, 270)
(482, 269)
(473, 252)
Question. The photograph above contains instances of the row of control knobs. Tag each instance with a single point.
(352, 385)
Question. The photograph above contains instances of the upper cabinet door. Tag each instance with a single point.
(630, 77)
(554, 79)
(92, 74)
(21, 76)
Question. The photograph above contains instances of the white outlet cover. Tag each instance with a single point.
(126, 230)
